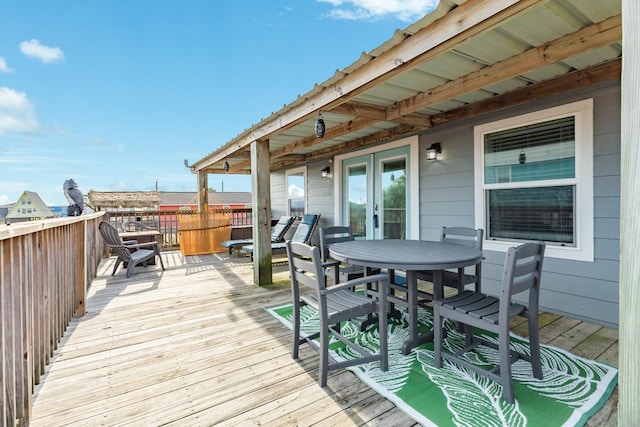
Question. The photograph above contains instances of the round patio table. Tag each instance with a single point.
(410, 256)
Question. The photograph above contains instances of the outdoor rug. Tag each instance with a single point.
(572, 389)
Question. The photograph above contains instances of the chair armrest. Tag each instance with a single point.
(143, 245)
(331, 263)
(355, 282)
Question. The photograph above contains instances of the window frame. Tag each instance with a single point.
(296, 171)
(583, 180)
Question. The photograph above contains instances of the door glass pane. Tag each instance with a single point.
(394, 198)
(357, 198)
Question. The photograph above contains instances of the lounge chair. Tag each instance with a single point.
(277, 234)
(303, 234)
(130, 254)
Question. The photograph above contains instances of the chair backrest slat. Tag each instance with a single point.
(305, 265)
(112, 238)
(523, 268)
(462, 236)
(331, 235)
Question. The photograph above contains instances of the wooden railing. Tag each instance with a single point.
(166, 222)
(45, 270)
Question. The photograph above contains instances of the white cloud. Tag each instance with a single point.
(4, 68)
(295, 191)
(16, 112)
(404, 10)
(46, 54)
(4, 199)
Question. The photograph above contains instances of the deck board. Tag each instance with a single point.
(194, 346)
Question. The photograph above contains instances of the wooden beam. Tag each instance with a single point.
(594, 36)
(457, 26)
(341, 129)
(369, 111)
(378, 137)
(576, 79)
(289, 160)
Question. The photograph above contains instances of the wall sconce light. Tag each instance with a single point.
(326, 172)
(226, 166)
(320, 127)
(433, 151)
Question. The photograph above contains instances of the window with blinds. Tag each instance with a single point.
(529, 176)
(534, 180)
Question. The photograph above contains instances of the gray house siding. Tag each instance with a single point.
(583, 290)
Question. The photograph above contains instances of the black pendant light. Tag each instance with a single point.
(320, 127)
(522, 157)
(226, 166)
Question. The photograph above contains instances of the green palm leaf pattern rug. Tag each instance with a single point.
(572, 389)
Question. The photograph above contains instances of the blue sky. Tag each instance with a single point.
(116, 94)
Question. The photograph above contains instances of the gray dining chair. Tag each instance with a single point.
(337, 234)
(460, 278)
(522, 272)
(334, 305)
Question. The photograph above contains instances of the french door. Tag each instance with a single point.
(376, 194)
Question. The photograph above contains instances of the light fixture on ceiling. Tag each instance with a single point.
(226, 166)
(320, 126)
(326, 172)
(433, 151)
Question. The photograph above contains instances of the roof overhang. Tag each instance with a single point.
(464, 59)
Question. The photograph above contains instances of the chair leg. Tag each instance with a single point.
(115, 267)
(437, 336)
(160, 258)
(534, 345)
(130, 268)
(324, 356)
(296, 330)
(383, 331)
(468, 335)
(505, 366)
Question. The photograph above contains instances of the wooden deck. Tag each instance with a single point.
(193, 346)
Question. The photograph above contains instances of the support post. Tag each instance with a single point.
(203, 191)
(629, 291)
(261, 202)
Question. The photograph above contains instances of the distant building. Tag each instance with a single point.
(29, 207)
(127, 201)
(174, 200)
(123, 201)
(4, 210)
